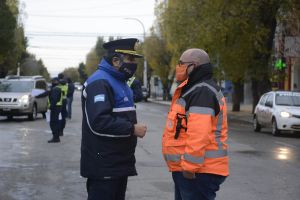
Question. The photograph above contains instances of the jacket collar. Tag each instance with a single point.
(105, 66)
(200, 74)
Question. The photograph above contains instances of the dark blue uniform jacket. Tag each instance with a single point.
(108, 143)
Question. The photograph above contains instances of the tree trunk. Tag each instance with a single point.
(237, 96)
(3, 71)
(259, 88)
(255, 94)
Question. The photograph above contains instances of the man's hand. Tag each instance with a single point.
(188, 175)
(140, 130)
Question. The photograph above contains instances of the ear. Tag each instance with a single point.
(190, 69)
(116, 61)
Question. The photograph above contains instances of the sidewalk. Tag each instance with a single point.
(244, 115)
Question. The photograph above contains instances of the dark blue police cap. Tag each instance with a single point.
(122, 46)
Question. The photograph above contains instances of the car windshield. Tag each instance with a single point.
(16, 86)
(288, 99)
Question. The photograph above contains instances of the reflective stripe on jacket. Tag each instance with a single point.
(64, 90)
(55, 97)
(195, 135)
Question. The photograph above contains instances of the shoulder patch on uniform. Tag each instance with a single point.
(99, 97)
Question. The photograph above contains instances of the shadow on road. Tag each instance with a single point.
(282, 135)
(18, 119)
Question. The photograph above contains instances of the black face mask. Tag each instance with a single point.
(128, 69)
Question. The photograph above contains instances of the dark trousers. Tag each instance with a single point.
(69, 107)
(203, 187)
(62, 122)
(106, 189)
(54, 121)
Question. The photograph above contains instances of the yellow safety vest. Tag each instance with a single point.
(130, 81)
(59, 103)
(64, 90)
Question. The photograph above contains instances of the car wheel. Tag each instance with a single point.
(33, 115)
(275, 130)
(256, 125)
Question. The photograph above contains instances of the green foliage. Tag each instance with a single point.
(72, 73)
(8, 24)
(291, 17)
(92, 61)
(82, 73)
(158, 57)
(140, 63)
(100, 51)
(237, 34)
(95, 55)
(12, 39)
(31, 67)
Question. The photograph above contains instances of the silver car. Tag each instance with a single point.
(18, 96)
(279, 110)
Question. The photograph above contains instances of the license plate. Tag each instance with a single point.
(6, 109)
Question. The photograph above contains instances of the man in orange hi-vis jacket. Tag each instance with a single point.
(194, 140)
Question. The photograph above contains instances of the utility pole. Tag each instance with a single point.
(18, 69)
(145, 76)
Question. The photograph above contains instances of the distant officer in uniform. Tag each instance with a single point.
(136, 87)
(109, 125)
(64, 89)
(55, 104)
(71, 89)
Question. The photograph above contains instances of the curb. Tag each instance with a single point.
(237, 119)
(231, 117)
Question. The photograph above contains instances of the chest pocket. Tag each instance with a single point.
(123, 97)
(174, 139)
(176, 127)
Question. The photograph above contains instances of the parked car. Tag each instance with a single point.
(78, 86)
(18, 96)
(145, 93)
(279, 110)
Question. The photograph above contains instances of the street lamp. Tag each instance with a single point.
(145, 80)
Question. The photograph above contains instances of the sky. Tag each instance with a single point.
(62, 32)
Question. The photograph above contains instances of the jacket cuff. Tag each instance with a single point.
(132, 129)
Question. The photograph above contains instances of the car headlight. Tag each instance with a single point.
(24, 99)
(285, 114)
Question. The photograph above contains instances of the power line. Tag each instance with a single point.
(89, 17)
(60, 47)
(60, 34)
(93, 7)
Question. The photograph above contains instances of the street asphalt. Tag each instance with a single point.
(262, 167)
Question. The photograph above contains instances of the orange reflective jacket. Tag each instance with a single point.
(195, 135)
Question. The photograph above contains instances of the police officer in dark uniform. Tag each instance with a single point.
(55, 104)
(136, 87)
(64, 89)
(109, 125)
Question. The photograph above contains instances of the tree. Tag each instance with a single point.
(31, 67)
(12, 39)
(8, 23)
(95, 55)
(72, 73)
(159, 58)
(82, 74)
(238, 34)
(92, 61)
(100, 51)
